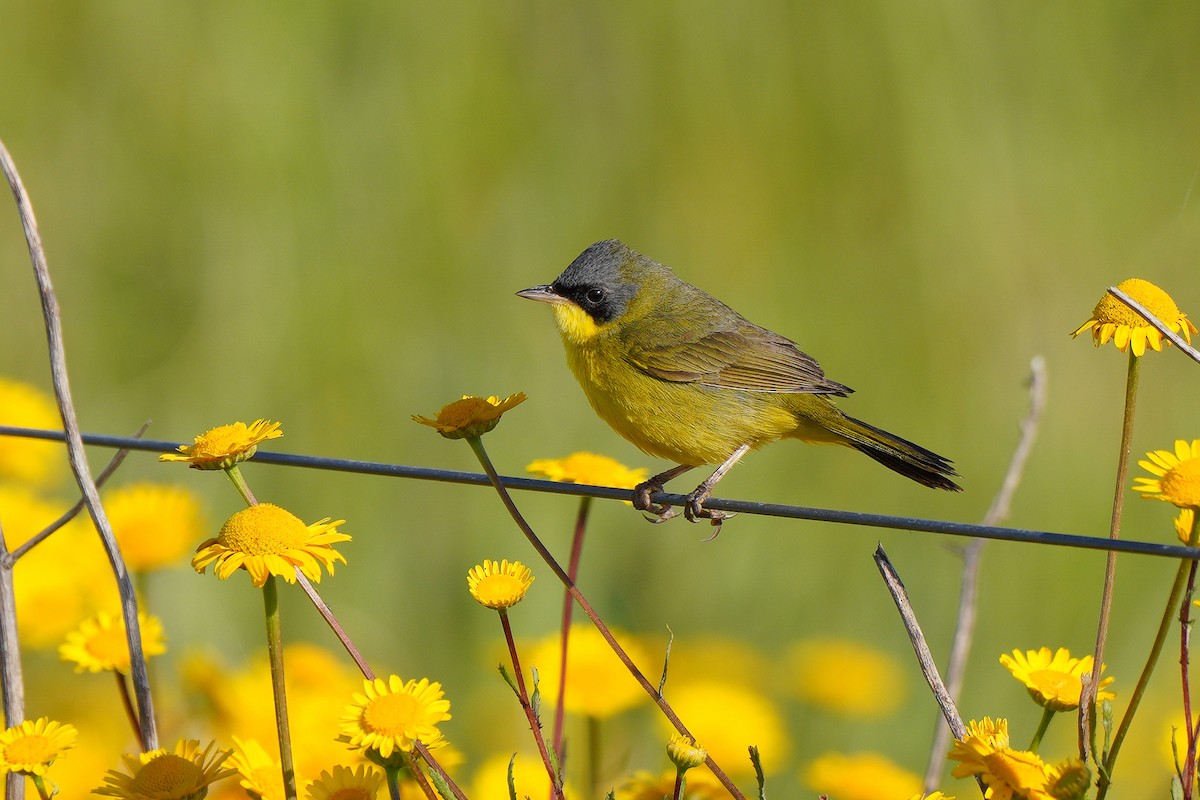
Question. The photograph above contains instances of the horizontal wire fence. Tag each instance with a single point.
(609, 493)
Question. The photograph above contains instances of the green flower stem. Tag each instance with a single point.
(1047, 715)
(594, 750)
(1105, 779)
(239, 482)
(393, 781)
(275, 653)
(535, 724)
(43, 791)
(1185, 647)
(480, 453)
(585, 504)
(680, 783)
(1087, 700)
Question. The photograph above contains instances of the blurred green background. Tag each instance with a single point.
(318, 213)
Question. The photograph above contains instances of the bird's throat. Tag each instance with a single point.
(574, 323)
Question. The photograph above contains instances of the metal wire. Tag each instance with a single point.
(608, 493)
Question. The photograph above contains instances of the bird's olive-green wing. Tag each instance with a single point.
(736, 354)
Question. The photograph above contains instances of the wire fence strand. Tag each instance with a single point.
(855, 518)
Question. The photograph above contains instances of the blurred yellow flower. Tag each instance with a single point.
(859, 776)
(32, 461)
(182, 774)
(155, 524)
(499, 584)
(237, 702)
(846, 677)
(265, 540)
(32, 746)
(224, 446)
(100, 643)
(588, 468)
(598, 684)
(985, 753)
(257, 771)
(63, 578)
(1068, 780)
(701, 785)
(471, 416)
(344, 783)
(1112, 319)
(392, 715)
(1054, 680)
(1178, 472)
(490, 781)
(728, 717)
(934, 796)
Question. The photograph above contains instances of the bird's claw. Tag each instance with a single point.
(693, 507)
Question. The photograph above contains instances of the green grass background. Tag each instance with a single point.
(318, 213)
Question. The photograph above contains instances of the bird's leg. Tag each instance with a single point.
(642, 492)
(694, 509)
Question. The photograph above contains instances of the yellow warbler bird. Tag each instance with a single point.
(686, 378)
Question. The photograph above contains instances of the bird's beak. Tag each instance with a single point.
(543, 294)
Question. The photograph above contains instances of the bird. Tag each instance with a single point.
(686, 378)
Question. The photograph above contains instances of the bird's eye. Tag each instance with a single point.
(594, 296)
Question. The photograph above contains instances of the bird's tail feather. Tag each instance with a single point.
(899, 455)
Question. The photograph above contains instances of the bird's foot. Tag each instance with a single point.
(694, 510)
(658, 512)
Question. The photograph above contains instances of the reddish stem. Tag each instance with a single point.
(568, 607)
(535, 725)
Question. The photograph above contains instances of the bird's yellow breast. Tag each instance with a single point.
(686, 423)
(575, 324)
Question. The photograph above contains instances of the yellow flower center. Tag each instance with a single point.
(392, 714)
(110, 646)
(1181, 484)
(1056, 685)
(498, 589)
(350, 793)
(224, 439)
(167, 775)
(32, 748)
(263, 529)
(1157, 302)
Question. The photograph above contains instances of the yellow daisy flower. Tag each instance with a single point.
(183, 774)
(471, 416)
(1178, 480)
(30, 461)
(934, 796)
(701, 785)
(685, 753)
(862, 776)
(258, 772)
(392, 715)
(100, 643)
(499, 584)
(598, 684)
(344, 783)
(846, 677)
(589, 468)
(1006, 772)
(224, 446)
(265, 540)
(155, 524)
(1054, 681)
(1112, 319)
(31, 747)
